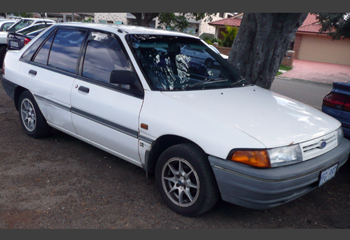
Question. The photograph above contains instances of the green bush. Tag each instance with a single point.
(229, 36)
(210, 40)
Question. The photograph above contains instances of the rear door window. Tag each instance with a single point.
(66, 48)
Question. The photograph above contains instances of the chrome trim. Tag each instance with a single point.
(145, 139)
(52, 102)
(117, 127)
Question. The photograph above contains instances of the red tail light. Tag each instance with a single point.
(26, 40)
(337, 101)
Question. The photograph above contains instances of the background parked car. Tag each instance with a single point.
(337, 104)
(24, 22)
(5, 24)
(19, 39)
(218, 52)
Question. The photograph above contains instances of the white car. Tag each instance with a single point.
(5, 24)
(22, 23)
(204, 134)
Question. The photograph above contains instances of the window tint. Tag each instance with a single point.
(103, 55)
(43, 53)
(65, 49)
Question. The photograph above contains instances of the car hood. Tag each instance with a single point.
(270, 118)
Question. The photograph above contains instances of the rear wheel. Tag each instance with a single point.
(32, 120)
(185, 180)
(2, 54)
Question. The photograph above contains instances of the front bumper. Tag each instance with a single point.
(265, 188)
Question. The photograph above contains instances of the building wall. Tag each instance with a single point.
(114, 17)
(324, 49)
(204, 27)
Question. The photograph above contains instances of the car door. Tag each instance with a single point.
(107, 114)
(50, 72)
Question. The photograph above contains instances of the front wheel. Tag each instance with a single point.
(32, 120)
(185, 180)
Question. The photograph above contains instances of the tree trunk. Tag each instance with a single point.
(260, 44)
(143, 19)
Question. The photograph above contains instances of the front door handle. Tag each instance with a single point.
(33, 72)
(84, 89)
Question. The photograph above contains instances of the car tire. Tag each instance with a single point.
(185, 180)
(2, 54)
(209, 63)
(32, 120)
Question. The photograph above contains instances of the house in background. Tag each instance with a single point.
(220, 25)
(68, 17)
(119, 18)
(195, 27)
(310, 45)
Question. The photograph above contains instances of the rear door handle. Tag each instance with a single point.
(84, 89)
(33, 72)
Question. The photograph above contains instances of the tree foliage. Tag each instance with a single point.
(260, 44)
(336, 25)
(229, 36)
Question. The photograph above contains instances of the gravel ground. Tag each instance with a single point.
(62, 183)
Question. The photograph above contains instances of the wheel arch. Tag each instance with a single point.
(161, 144)
(18, 91)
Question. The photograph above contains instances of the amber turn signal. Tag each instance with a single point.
(255, 158)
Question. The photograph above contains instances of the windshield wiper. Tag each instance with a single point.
(239, 81)
(208, 81)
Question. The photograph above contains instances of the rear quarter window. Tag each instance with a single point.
(28, 54)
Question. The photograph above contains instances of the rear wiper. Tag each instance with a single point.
(208, 81)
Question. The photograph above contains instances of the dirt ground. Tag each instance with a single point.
(62, 183)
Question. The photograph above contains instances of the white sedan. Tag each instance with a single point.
(135, 93)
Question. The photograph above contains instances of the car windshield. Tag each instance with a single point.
(21, 24)
(173, 63)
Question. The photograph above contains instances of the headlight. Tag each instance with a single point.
(340, 135)
(285, 155)
(268, 158)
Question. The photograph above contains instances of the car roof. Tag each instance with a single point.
(126, 28)
(7, 20)
(38, 19)
(31, 26)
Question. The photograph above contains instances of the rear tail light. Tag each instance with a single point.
(26, 41)
(337, 100)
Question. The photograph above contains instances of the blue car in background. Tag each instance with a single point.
(337, 104)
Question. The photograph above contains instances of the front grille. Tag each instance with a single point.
(319, 146)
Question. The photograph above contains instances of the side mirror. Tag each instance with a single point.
(123, 77)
